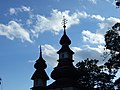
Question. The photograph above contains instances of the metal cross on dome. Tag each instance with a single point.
(64, 22)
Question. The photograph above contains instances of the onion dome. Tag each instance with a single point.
(65, 39)
(64, 72)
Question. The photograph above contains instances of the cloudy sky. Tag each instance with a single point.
(27, 24)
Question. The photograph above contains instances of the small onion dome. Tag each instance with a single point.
(40, 64)
(65, 39)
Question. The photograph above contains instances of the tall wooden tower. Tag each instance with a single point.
(40, 77)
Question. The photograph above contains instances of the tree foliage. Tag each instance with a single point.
(95, 77)
(112, 39)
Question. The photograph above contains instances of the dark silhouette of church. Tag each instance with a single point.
(64, 74)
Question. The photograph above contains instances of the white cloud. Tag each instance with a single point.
(98, 17)
(82, 14)
(53, 23)
(49, 54)
(31, 61)
(13, 11)
(88, 52)
(107, 24)
(93, 38)
(108, 1)
(26, 9)
(29, 22)
(14, 30)
(104, 25)
(93, 1)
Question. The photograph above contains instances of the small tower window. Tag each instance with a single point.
(39, 82)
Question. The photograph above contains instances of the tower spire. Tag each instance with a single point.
(40, 51)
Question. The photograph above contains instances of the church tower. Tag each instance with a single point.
(64, 74)
(40, 77)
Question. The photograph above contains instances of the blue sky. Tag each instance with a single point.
(26, 24)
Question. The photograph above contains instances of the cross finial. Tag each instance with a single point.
(64, 22)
